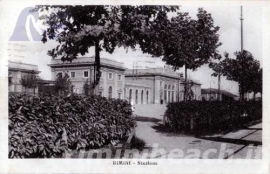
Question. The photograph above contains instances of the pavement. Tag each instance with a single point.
(242, 144)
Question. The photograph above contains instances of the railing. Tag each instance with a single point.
(153, 71)
(88, 60)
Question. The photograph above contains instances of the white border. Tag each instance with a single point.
(105, 165)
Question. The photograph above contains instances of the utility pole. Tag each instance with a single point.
(241, 19)
(242, 45)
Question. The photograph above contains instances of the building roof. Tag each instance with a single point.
(153, 71)
(23, 67)
(215, 91)
(191, 82)
(86, 61)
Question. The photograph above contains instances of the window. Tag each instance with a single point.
(100, 74)
(119, 95)
(147, 97)
(130, 95)
(142, 97)
(165, 93)
(136, 96)
(119, 77)
(110, 92)
(85, 74)
(72, 74)
(110, 76)
(60, 75)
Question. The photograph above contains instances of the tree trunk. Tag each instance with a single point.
(185, 84)
(219, 98)
(97, 64)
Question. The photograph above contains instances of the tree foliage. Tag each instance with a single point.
(87, 87)
(30, 81)
(77, 28)
(188, 42)
(63, 84)
(245, 70)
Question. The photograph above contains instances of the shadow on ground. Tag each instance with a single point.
(161, 128)
(147, 119)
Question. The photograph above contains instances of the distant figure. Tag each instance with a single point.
(132, 106)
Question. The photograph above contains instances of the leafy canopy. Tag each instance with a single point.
(30, 81)
(77, 28)
(245, 70)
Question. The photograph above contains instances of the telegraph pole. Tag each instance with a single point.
(241, 19)
(242, 45)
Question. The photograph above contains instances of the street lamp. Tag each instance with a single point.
(211, 88)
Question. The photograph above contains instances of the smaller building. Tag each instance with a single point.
(82, 69)
(16, 70)
(212, 94)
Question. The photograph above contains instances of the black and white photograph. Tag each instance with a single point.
(135, 84)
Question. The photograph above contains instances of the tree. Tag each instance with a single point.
(257, 83)
(245, 70)
(77, 28)
(30, 81)
(63, 84)
(218, 69)
(88, 88)
(186, 42)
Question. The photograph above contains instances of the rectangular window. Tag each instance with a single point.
(85, 74)
(72, 74)
(100, 74)
(119, 95)
(119, 77)
(110, 76)
(60, 75)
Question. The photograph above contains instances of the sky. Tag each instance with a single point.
(226, 17)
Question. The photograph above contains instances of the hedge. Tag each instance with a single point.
(46, 126)
(208, 117)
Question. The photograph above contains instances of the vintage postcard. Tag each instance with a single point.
(134, 87)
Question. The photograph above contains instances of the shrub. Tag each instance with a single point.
(204, 117)
(47, 125)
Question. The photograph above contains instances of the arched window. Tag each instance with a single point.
(136, 96)
(147, 96)
(125, 94)
(169, 93)
(172, 94)
(142, 97)
(110, 92)
(165, 93)
(130, 95)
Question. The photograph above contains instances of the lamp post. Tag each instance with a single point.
(211, 89)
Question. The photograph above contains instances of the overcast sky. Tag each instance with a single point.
(226, 17)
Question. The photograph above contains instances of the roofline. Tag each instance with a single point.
(84, 64)
(22, 63)
(152, 74)
(24, 70)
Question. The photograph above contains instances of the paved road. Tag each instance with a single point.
(238, 144)
(242, 144)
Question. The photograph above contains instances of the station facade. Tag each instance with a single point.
(141, 86)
